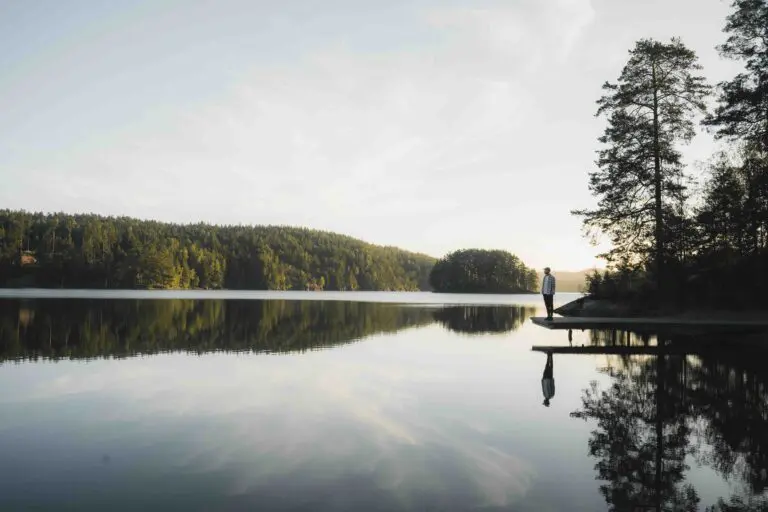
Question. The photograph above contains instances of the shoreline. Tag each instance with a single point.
(587, 306)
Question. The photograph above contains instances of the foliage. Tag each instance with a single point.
(105, 252)
(737, 504)
(619, 283)
(742, 112)
(639, 180)
(482, 271)
(710, 251)
(732, 221)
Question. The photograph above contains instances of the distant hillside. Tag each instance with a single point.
(569, 281)
(91, 251)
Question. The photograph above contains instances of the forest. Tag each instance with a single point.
(91, 251)
(680, 239)
(482, 271)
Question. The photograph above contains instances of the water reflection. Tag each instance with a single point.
(483, 319)
(661, 411)
(391, 424)
(548, 380)
(640, 442)
(119, 328)
(423, 420)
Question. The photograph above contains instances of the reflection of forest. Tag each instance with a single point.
(119, 328)
(483, 319)
(658, 410)
(83, 329)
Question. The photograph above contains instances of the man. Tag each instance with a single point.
(548, 380)
(548, 291)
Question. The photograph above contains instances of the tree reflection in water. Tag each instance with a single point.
(660, 409)
(483, 319)
(56, 329)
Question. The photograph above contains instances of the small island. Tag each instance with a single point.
(482, 271)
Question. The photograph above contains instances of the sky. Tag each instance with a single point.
(431, 126)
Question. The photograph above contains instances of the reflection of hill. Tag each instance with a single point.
(646, 419)
(118, 328)
(483, 319)
(56, 329)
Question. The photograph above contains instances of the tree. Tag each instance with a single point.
(722, 217)
(742, 113)
(480, 271)
(156, 270)
(650, 110)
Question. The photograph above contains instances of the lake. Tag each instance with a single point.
(228, 401)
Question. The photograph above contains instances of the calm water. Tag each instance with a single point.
(296, 402)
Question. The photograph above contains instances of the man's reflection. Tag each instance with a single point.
(548, 381)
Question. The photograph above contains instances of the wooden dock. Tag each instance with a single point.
(654, 325)
(623, 350)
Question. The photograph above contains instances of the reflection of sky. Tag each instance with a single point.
(422, 418)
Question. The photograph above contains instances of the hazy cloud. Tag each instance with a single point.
(428, 125)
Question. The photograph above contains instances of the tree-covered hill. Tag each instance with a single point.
(482, 271)
(92, 251)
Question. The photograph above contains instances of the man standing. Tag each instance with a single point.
(548, 291)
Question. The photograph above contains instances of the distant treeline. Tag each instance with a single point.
(91, 251)
(84, 329)
(481, 271)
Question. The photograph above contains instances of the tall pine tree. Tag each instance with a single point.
(650, 111)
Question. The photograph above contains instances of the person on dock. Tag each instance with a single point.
(548, 380)
(548, 291)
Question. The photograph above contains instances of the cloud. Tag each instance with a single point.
(384, 133)
(358, 133)
(524, 32)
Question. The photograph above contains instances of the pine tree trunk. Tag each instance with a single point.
(657, 188)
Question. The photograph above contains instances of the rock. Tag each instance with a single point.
(589, 306)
